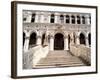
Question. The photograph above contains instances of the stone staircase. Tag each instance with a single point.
(59, 58)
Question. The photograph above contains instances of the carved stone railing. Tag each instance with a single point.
(32, 57)
(81, 51)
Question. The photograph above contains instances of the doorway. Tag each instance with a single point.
(59, 42)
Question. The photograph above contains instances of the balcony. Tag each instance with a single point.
(50, 26)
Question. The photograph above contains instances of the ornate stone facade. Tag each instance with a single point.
(58, 30)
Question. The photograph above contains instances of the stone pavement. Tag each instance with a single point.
(59, 58)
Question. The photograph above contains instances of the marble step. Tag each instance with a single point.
(59, 59)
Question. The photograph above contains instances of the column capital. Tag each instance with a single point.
(39, 36)
(27, 37)
(52, 37)
(65, 37)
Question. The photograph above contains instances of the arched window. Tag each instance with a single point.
(73, 19)
(67, 19)
(89, 39)
(23, 38)
(83, 20)
(52, 18)
(33, 18)
(82, 38)
(43, 39)
(32, 41)
(78, 19)
(62, 18)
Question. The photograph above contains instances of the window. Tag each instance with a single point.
(62, 18)
(73, 19)
(24, 19)
(90, 19)
(83, 20)
(33, 18)
(67, 19)
(52, 18)
(78, 19)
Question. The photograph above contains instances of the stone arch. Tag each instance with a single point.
(59, 41)
(33, 39)
(89, 39)
(33, 31)
(62, 32)
(83, 32)
(82, 38)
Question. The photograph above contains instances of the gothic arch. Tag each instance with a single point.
(33, 39)
(61, 32)
(82, 38)
(33, 31)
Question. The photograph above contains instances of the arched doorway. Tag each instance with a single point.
(32, 42)
(23, 38)
(89, 39)
(43, 39)
(82, 38)
(59, 42)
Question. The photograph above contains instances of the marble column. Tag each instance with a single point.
(36, 17)
(75, 19)
(70, 19)
(26, 44)
(66, 43)
(81, 20)
(29, 18)
(77, 40)
(51, 43)
(39, 39)
(42, 17)
(87, 19)
(87, 42)
(49, 17)
(56, 17)
(64, 18)
(72, 38)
